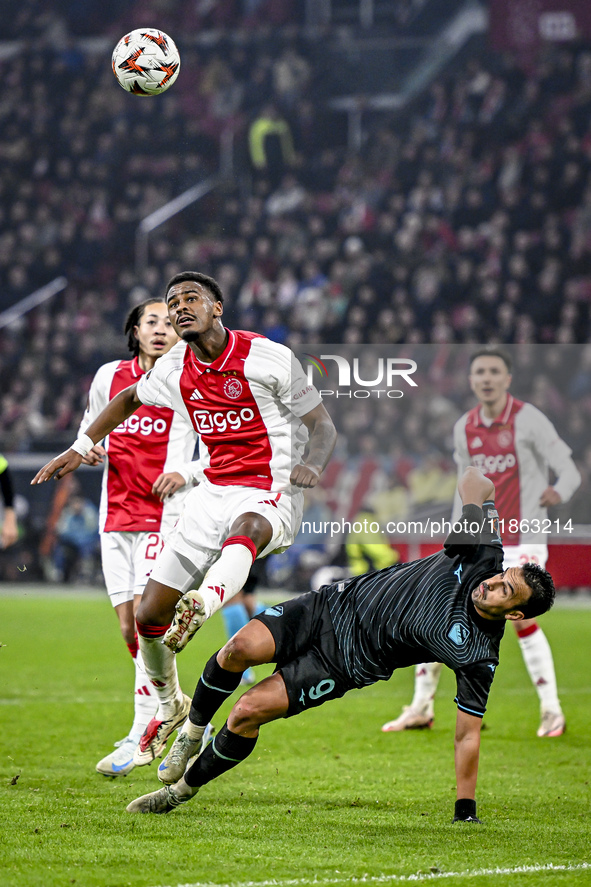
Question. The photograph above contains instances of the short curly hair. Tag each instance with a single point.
(197, 277)
(542, 590)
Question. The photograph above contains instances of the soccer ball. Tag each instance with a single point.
(146, 62)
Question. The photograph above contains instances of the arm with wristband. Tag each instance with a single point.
(475, 490)
(98, 398)
(117, 411)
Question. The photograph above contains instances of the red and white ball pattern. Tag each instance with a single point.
(146, 62)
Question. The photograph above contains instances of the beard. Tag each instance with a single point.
(189, 336)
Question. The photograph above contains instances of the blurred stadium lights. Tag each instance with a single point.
(431, 55)
(182, 201)
(166, 212)
(33, 301)
(471, 19)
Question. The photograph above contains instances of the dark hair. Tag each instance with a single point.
(208, 282)
(542, 591)
(133, 319)
(493, 352)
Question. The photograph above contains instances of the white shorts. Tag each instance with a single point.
(526, 552)
(128, 559)
(209, 512)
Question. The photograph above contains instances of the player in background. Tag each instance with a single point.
(452, 606)
(265, 436)
(517, 446)
(9, 534)
(146, 474)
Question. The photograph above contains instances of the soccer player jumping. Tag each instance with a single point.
(451, 607)
(255, 412)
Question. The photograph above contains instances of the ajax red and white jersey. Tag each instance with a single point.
(517, 451)
(150, 441)
(245, 406)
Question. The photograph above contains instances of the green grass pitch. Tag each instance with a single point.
(326, 797)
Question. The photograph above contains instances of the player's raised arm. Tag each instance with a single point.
(117, 411)
(323, 437)
(475, 488)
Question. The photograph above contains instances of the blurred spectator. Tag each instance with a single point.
(76, 553)
(271, 144)
(9, 532)
(366, 550)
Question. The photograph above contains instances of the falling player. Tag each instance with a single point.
(514, 444)
(255, 411)
(451, 606)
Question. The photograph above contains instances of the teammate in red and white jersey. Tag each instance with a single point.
(516, 446)
(265, 436)
(147, 470)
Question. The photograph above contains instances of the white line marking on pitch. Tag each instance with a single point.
(387, 879)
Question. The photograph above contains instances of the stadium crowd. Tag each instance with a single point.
(467, 219)
(464, 219)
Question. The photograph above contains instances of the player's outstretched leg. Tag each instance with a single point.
(419, 715)
(537, 656)
(252, 645)
(215, 685)
(224, 752)
(222, 582)
(263, 703)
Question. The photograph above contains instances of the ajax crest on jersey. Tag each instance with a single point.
(146, 62)
(233, 388)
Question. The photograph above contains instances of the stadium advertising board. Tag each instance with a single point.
(523, 25)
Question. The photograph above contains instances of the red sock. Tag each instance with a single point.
(151, 631)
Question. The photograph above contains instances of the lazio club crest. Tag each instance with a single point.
(459, 634)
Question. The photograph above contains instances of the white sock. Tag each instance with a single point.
(145, 701)
(160, 665)
(226, 577)
(183, 790)
(194, 733)
(537, 656)
(426, 680)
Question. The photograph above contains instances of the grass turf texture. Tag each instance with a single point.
(325, 796)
